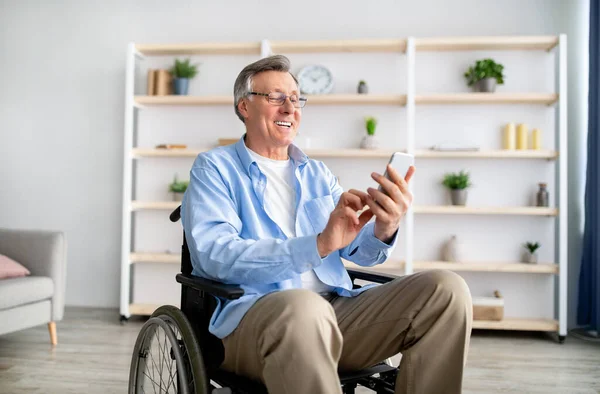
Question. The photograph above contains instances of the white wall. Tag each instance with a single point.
(61, 96)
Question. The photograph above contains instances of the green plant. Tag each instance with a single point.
(370, 124)
(485, 68)
(184, 69)
(362, 82)
(178, 186)
(458, 180)
(532, 246)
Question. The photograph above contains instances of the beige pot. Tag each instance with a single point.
(177, 196)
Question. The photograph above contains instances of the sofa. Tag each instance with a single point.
(39, 297)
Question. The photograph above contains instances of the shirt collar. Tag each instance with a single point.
(298, 157)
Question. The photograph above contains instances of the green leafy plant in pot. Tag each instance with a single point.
(485, 75)
(369, 141)
(182, 72)
(458, 184)
(531, 256)
(178, 188)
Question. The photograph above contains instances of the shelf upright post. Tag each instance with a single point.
(265, 49)
(562, 185)
(127, 179)
(410, 146)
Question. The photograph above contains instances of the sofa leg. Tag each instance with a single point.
(52, 331)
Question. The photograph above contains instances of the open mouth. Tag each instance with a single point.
(283, 124)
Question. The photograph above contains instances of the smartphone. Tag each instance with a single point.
(401, 162)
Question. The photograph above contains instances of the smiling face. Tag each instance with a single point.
(270, 129)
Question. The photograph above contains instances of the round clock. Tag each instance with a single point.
(315, 79)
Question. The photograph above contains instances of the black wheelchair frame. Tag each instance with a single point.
(198, 303)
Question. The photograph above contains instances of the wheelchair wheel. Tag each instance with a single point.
(166, 356)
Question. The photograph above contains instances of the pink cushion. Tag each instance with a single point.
(11, 269)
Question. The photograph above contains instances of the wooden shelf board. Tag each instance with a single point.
(356, 99)
(143, 309)
(487, 98)
(325, 99)
(517, 324)
(476, 43)
(489, 154)
(207, 48)
(540, 268)
(375, 45)
(150, 152)
(467, 210)
(154, 205)
(366, 45)
(144, 257)
(184, 100)
(355, 153)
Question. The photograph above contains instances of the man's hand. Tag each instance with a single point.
(389, 209)
(344, 223)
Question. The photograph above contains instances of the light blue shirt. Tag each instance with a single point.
(233, 240)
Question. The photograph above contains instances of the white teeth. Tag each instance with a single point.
(286, 124)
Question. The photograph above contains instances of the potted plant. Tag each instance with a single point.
(458, 184)
(182, 72)
(362, 87)
(484, 75)
(178, 188)
(530, 253)
(369, 141)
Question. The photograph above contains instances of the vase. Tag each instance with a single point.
(458, 196)
(542, 197)
(180, 86)
(531, 258)
(369, 142)
(362, 88)
(451, 252)
(487, 85)
(177, 196)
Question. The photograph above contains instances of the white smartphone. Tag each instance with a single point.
(401, 162)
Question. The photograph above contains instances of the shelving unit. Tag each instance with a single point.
(408, 101)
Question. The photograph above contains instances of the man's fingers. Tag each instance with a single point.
(352, 200)
(390, 187)
(380, 198)
(351, 214)
(362, 195)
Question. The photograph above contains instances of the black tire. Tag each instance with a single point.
(152, 369)
(198, 382)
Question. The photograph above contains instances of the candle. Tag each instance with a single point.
(522, 136)
(536, 139)
(509, 136)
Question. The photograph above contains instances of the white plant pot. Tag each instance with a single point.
(369, 142)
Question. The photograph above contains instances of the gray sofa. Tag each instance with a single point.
(40, 297)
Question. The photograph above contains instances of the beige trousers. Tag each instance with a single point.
(295, 340)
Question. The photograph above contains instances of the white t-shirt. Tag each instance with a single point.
(280, 204)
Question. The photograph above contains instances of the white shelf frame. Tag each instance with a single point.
(409, 47)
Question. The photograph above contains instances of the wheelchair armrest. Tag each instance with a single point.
(370, 276)
(230, 292)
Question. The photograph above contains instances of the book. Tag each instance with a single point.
(151, 83)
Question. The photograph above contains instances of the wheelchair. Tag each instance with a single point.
(175, 353)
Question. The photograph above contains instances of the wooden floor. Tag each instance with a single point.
(94, 352)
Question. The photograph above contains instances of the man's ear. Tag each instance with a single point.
(243, 108)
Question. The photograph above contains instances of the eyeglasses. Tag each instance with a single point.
(278, 98)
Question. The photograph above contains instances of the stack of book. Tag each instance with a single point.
(160, 83)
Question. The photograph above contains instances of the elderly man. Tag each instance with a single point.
(262, 215)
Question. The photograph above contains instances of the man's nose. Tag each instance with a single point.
(287, 106)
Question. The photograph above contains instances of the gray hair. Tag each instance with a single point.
(243, 82)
